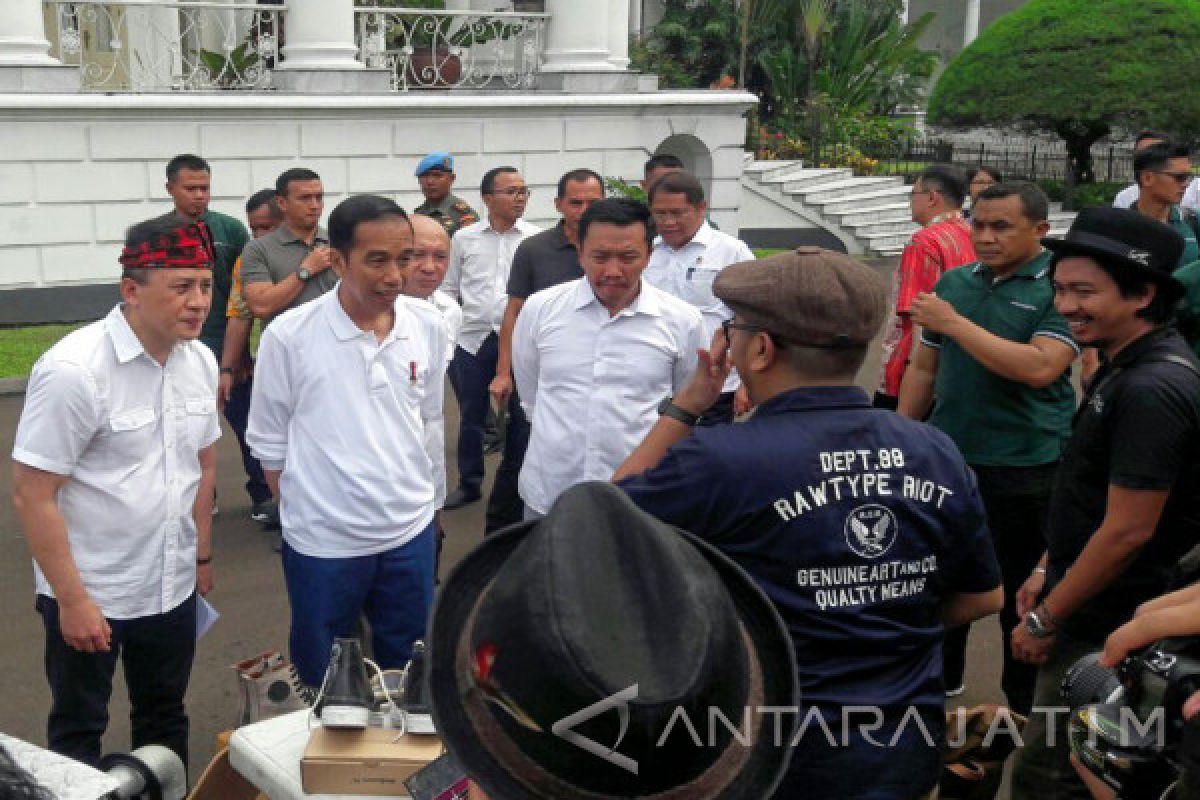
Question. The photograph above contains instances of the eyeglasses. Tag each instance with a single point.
(1183, 178)
(728, 325)
(514, 192)
(671, 216)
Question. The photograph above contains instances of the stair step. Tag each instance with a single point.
(806, 176)
(759, 167)
(876, 228)
(889, 212)
(885, 240)
(868, 201)
(825, 192)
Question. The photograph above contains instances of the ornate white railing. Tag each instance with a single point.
(427, 49)
(155, 45)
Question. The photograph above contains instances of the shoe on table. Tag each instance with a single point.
(462, 496)
(346, 696)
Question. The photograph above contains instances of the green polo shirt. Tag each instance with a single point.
(994, 421)
(1189, 306)
(1185, 223)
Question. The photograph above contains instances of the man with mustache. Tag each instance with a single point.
(1123, 509)
(595, 357)
(996, 356)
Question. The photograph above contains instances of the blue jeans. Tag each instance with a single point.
(394, 589)
(470, 375)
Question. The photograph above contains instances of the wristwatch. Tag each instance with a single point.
(667, 408)
(1037, 627)
(304, 275)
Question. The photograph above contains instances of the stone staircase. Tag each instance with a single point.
(869, 215)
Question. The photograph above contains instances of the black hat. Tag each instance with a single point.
(1123, 238)
(587, 655)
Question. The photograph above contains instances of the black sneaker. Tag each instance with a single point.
(417, 703)
(346, 696)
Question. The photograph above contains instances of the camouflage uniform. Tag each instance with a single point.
(453, 212)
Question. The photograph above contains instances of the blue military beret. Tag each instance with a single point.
(438, 160)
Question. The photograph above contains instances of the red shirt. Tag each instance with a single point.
(942, 245)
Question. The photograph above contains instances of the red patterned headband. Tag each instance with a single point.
(187, 247)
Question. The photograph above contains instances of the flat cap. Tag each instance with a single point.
(807, 296)
(436, 160)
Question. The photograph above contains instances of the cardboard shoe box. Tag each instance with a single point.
(374, 761)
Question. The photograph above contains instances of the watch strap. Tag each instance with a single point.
(669, 409)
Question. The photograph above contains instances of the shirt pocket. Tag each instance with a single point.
(697, 285)
(196, 419)
(131, 436)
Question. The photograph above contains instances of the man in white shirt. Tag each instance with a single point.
(113, 487)
(1127, 197)
(688, 255)
(595, 357)
(346, 419)
(427, 270)
(480, 259)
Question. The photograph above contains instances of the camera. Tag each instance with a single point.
(1126, 725)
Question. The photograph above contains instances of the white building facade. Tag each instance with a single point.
(96, 97)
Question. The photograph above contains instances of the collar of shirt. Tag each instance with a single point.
(286, 236)
(444, 208)
(560, 237)
(814, 398)
(519, 228)
(345, 330)
(946, 216)
(645, 303)
(1140, 347)
(1034, 269)
(126, 344)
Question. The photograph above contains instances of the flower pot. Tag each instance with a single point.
(433, 68)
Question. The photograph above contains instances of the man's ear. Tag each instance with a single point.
(1148, 297)
(337, 261)
(129, 291)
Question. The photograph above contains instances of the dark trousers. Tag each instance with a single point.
(471, 374)
(505, 506)
(237, 412)
(393, 589)
(1016, 500)
(156, 652)
(1043, 768)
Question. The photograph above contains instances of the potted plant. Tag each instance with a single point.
(426, 54)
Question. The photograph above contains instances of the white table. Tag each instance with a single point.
(268, 753)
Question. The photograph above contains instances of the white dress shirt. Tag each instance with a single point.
(688, 273)
(591, 383)
(354, 424)
(452, 318)
(480, 259)
(1130, 194)
(127, 432)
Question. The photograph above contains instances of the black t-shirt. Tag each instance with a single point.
(543, 260)
(1138, 429)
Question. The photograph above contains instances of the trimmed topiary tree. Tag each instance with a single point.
(1079, 68)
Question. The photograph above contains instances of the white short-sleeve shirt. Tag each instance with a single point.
(354, 425)
(127, 432)
(688, 273)
(591, 383)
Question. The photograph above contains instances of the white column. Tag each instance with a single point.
(971, 23)
(618, 33)
(320, 36)
(23, 40)
(577, 37)
(635, 17)
(904, 11)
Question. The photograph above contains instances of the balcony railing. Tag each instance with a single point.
(452, 49)
(156, 45)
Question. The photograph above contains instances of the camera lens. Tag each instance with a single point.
(1087, 682)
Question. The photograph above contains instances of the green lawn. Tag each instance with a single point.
(21, 347)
